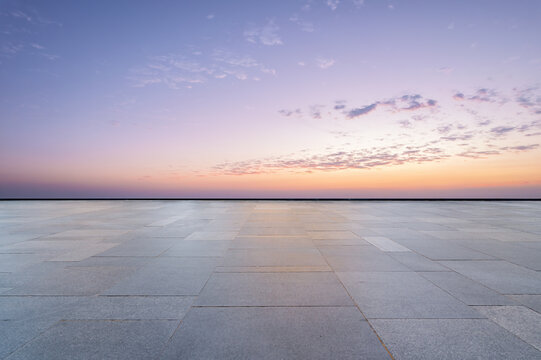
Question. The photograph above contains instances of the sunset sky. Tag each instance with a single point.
(321, 98)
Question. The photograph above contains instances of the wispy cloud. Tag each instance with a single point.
(446, 70)
(397, 104)
(323, 63)
(287, 113)
(333, 4)
(529, 98)
(266, 35)
(502, 130)
(32, 16)
(353, 113)
(481, 95)
(305, 26)
(184, 71)
(333, 160)
(521, 147)
(363, 159)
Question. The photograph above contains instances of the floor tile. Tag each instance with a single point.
(398, 295)
(274, 289)
(275, 333)
(519, 320)
(468, 291)
(451, 339)
(99, 339)
(501, 276)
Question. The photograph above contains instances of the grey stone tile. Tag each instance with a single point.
(244, 269)
(33, 307)
(274, 257)
(15, 333)
(18, 262)
(271, 231)
(84, 252)
(100, 339)
(515, 236)
(417, 262)
(275, 333)
(330, 235)
(327, 226)
(395, 295)
(531, 301)
(385, 244)
(129, 308)
(437, 249)
(512, 252)
(167, 220)
(504, 277)
(167, 276)
(451, 339)
(338, 242)
(272, 242)
(212, 235)
(521, 321)
(72, 281)
(360, 258)
(274, 289)
(142, 247)
(43, 246)
(83, 234)
(215, 248)
(466, 290)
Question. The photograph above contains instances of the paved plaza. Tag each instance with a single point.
(270, 280)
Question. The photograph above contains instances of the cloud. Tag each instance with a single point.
(360, 159)
(361, 111)
(457, 137)
(358, 3)
(21, 15)
(315, 111)
(444, 129)
(177, 71)
(332, 161)
(529, 98)
(50, 56)
(304, 25)
(11, 49)
(478, 154)
(324, 63)
(405, 124)
(266, 35)
(33, 17)
(406, 102)
(288, 113)
(210, 16)
(446, 70)
(521, 147)
(451, 26)
(481, 95)
(502, 130)
(333, 4)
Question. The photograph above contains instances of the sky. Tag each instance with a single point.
(296, 98)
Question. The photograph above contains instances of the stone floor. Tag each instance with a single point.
(270, 280)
